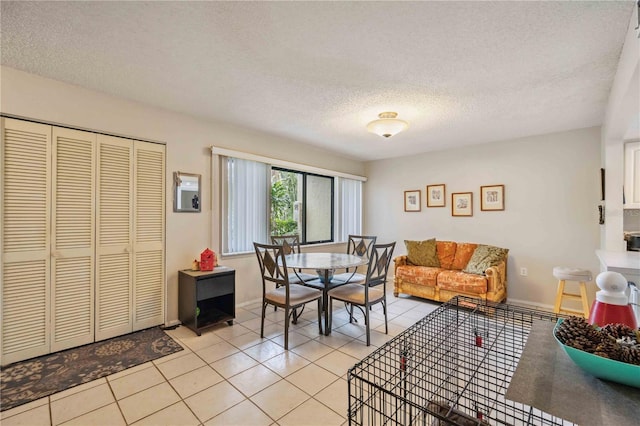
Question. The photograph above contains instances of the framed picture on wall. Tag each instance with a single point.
(412, 201)
(492, 198)
(462, 204)
(436, 195)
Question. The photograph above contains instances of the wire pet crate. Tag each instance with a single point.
(452, 367)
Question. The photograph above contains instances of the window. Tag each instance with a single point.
(260, 200)
(302, 203)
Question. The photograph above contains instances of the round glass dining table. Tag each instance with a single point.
(325, 264)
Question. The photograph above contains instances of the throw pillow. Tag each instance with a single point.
(484, 257)
(422, 253)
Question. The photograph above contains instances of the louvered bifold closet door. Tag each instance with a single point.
(149, 222)
(114, 254)
(73, 242)
(25, 236)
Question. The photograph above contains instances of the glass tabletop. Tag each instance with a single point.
(323, 260)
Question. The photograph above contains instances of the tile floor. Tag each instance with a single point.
(230, 376)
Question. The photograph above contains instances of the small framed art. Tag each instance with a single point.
(492, 198)
(412, 201)
(436, 195)
(462, 204)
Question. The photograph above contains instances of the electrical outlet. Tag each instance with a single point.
(523, 272)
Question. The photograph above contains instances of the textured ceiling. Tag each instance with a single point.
(460, 72)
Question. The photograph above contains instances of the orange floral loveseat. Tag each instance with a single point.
(461, 271)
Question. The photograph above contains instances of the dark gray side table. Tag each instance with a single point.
(206, 298)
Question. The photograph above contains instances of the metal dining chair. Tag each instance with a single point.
(371, 291)
(291, 244)
(359, 245)
(286, 295)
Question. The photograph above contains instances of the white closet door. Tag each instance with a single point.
(73, 242)
(25, 236)
(149, 222)
(114, 237)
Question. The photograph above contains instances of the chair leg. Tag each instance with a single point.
(264, 311)
(559, 292)
(367, 325)
(583, 296)
(384, 309)
(286, 328)
(320, 317)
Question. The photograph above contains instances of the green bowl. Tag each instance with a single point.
(603, 368)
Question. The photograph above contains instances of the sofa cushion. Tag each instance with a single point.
(483, 257)
(422, 253)
(421, 275)
(464, 251)
(446, 251)
(462, 282)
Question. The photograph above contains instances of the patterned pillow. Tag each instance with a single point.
(422, 253)
(484, 257)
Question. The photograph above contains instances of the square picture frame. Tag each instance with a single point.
(412, 201)
(462, 204)
(436, 195)
(492, 198)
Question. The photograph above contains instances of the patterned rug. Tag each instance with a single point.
(26, 381)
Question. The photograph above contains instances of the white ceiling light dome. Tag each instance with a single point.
(387, 125)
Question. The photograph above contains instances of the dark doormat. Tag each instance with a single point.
(26, 381)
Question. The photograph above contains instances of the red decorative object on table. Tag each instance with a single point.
(207, 260)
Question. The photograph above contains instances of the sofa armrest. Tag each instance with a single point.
(399, 261)
(496, 277)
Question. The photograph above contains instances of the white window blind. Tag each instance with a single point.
(349, 208)
(247, 204)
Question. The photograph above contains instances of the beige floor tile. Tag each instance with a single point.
(185, 351)
(244, 414)
(351, 329)
(312, 350)
(312, 379)
(310, 330)
(334, 340)
(252, 323)
(335, 396)
(80, 388)
(178, 366)
(311, 413)
(271, 330)
(195, 381)
(147, 402)
(280, 398)
(233, 364)
(227, 332)
(177, 414)
(253, 380)
(394, 329)
(38, 416)
(139, 380)
(180, 332)
(246, 340)
(109, 415)
(195, 342)
(264, 351)
(286, 363)
(214, 400)
(128, 371)
(402, 320)
(337, 362)
(357, 349)
(24, 407)
(378, 338)
(243, 315)
(80, 403)
(295, 339)
(217, 351)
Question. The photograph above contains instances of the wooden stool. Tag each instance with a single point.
(572, 274)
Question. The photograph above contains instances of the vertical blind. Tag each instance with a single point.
(246, 191)
(247, 204)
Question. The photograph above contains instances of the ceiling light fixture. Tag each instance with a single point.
(387, 125)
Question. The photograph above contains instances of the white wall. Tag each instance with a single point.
(187, 140)
(551, 196)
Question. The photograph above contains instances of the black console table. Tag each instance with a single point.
(206, 298)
